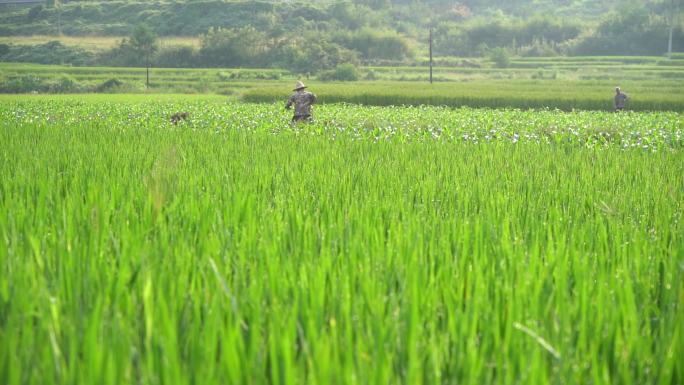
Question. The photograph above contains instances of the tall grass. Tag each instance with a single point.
(215, 252)
(493, 94)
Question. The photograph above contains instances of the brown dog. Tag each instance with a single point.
(178, 116)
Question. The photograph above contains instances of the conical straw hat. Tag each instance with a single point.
(299, 85)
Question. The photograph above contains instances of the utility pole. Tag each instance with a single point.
(673, 12)
(147, 68)
(144, 42)
(669, 43)
(430, 39)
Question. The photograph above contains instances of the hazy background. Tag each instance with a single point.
(307, 37)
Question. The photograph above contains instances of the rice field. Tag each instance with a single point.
(377, 245)
(521, 94)
(555, 84)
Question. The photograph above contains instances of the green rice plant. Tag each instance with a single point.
(493, 94)
(376, 245)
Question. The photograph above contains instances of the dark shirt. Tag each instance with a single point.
(620, 99)
(302, 101)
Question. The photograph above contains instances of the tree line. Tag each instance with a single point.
(306, 52)
(313, 37)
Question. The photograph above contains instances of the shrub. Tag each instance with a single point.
(121, 56)
(375, 44)
(671, 62)
(343, 72)
(64, 84)
(500, 57)
(177, 57)
(22, 84)
(539, 48)
(52, 52)
(233, 47)
(109, 85)
(224, 76)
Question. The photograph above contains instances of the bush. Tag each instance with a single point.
(177, 57)
(677, 55)
(311, 56)
(500, 57)
(370, 75)
(109, 85)
(538, 48)
(224, 76)
(343, 72)
(64, 84)
(233, 47)
(375, 44)
(633, 32)
(123, 55)
(346, 72)
(22, 84)
(32, 83)
(52, 52)
(671, 62)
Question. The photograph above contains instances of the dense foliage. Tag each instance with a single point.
(375, 246)
(52, 52)
(293, 34)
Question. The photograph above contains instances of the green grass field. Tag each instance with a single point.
(555, 83)
(378, 245)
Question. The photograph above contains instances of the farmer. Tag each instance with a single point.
(620, 99)
(302, 101)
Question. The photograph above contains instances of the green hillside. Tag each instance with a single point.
(463, 28)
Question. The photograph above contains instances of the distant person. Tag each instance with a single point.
(179, 116)
(620, 99)
(302, 101)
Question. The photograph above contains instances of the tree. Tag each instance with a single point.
(177, 57)
(500, 57)
(57, 5)
(375, 44)
(234, 47)
(307, 56)
(634, 31)
(343, 72)
(144, 42)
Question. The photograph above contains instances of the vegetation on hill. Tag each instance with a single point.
(315, 36)
(52, 52)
